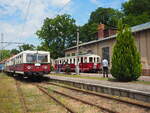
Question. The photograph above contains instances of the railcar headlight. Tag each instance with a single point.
(45, 67)
(29, 67)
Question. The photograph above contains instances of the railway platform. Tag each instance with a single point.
(125, 89)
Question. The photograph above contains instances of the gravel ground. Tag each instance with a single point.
(106, 103)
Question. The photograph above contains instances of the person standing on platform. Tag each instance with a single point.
(105, 67)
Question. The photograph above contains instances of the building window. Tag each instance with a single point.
(68, 55)
(105, 53)
(80, 53)
(73, 54)
(89, 52)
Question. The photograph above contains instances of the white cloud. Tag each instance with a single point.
(59, 2)
(95, 2)
(39, 10)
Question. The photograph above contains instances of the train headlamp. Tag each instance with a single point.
(45, 67)
(28, 67)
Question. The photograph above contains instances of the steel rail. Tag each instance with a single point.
(139, 104)
(55, 99)
(83, 101)
(21, 97)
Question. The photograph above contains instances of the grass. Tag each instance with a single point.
(78, 76)
(100, 78)
(9, 101)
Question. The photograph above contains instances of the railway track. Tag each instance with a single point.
(55, 99)
(21, 97)
(137, 103)
(45, 90)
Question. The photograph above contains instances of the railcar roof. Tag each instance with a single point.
(29, 51)
(93, 55)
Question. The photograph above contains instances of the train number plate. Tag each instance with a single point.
(37, 64)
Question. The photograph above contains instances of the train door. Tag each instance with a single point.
(81, 64)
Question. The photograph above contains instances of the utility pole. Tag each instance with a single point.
(77, 61)
(1, 52)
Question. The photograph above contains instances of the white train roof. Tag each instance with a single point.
(29, 51)
(85, 55)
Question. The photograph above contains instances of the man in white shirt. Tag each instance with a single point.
(105, 67)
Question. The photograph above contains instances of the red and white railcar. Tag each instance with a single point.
(87, 63)
(29, 63)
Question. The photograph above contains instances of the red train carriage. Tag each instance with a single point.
(87, 63)
(29, 63)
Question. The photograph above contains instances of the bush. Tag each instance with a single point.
(51, 68)
(68, 69)
(126, 64)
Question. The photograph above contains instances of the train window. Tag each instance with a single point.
(98, 60)
(74, 60)
(78, 60)
(85, 59)
(90, 59)
(31, 58)
(94, 60)
(63, 61)
(81, 59)
(70, 61)
(43, 58)
(22, 58)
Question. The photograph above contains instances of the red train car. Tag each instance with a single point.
(87, 63)
(29, 63)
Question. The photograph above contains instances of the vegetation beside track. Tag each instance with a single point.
(35, 101)
(9, 101)
(99, 78)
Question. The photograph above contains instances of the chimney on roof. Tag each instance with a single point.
(101, 28)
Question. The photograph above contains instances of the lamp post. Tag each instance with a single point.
(77, 62)
(1, 52)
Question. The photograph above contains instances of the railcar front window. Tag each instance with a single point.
(42, 58)
(98, 60)
(31, 58)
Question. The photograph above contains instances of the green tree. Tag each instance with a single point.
(4, 54)
(136, 7)
(88, 32)
(136, 12)
(107, 16)
(57, 34)
(126, 64)
(14, 51)
(26, 47)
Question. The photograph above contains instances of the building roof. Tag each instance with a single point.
(136, 28)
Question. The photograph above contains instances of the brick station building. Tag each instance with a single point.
(103, 46)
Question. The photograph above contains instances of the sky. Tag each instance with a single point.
(20, 19)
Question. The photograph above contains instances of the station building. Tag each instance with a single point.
(103, 46)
